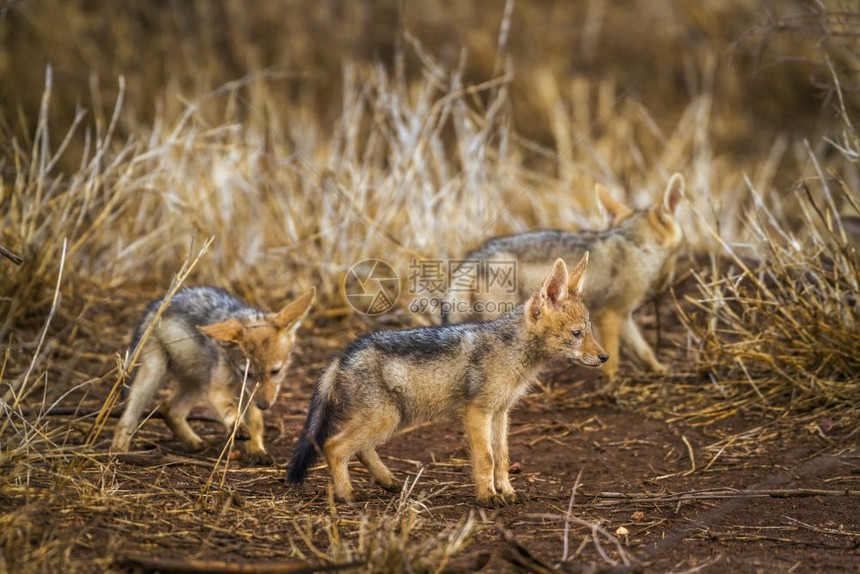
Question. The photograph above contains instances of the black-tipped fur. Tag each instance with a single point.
(318, 427)
(197, 306)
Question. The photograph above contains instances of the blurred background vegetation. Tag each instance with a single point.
(763, 60)
(412, 129)
(425, 120)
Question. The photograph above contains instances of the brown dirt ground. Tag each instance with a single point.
(806, 520)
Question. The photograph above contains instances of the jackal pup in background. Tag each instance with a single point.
(204, 340)
(387, 380)
(634, 260)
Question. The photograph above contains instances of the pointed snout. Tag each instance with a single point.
(266, 394)
(595, 353)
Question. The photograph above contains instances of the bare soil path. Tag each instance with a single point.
(697, 498)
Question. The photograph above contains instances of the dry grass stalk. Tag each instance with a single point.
(429, 163)
(786, 329)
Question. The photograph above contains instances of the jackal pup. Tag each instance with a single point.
(634, 260)
(204, 339)
(387, 380)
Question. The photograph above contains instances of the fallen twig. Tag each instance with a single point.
(565, 548)
(518, 555)
(716, 494)
(13, 257)
(114, 413)
(833, 531)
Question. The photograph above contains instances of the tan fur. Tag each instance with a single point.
(370, 393)
(616, 210)
(267, 344)
(633, 260)
(214, 375)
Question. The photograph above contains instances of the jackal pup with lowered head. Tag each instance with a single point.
(634, 259)
(211, 343)
(477, 372)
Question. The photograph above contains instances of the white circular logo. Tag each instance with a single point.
(371, 287)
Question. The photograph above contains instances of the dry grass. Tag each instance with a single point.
(784, 330)
(267, 191)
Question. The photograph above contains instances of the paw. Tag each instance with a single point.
(347, 496)
(194, 444)
(260, 459)
(242, 433)
(121, 443)
(508, 495)
(610, 387)
(391, 485)
(492, 500)
(658, 368)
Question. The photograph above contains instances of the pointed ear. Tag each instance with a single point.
(674, 193)
(554, 288)
(293, 313)
(615, 209)
(229, 331)
(577, 276)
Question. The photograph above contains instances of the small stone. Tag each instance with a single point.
(638, 515)
(515, 468)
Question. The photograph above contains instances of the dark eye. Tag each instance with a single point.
(274, 372)
(576, 333)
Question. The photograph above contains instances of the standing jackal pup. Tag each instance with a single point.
(204, 340)
(387, 380)
(634, 260)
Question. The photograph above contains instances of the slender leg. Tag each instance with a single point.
(380, 473)
(256, 428)
(608, 325)
(501, 458)
(150, 376)
(252, 430)
(225, 405)
(337, 454)
(633, 339)
(176, 409)
(364, 430)
(478, 428)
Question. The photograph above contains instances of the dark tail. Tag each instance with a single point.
(320, 424)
